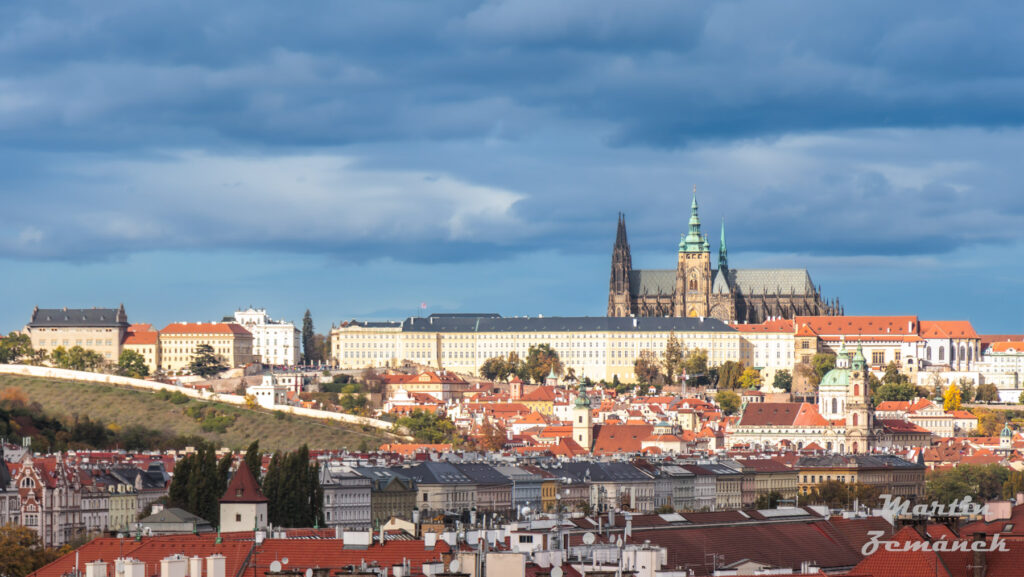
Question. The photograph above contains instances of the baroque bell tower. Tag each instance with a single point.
(860, 415)
(693, 273)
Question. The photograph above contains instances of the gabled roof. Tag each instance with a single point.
(852, 326)
(205, 329)
(243, 487)
(948, 330)
(782, 415)
(611, 439)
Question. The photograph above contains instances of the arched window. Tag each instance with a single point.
(928, 353)
(941, 355)
(856, 390)
(952, 354)
(835, 405)
(963, 352)
(855, 448)
(693, 284)
(856, 420)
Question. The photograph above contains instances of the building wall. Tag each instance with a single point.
(104, 340)
(177, 349)
(242, 516)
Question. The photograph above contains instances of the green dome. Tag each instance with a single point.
(839, 378)
(1007, 431)
(582, 400)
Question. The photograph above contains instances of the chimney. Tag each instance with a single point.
(134, 568)
(979, 563)
(629, 525)
(215, 565)
(429, 540)
(195, 566)
(173, 566)
(97, 568)
(398, 570)
(611, 518)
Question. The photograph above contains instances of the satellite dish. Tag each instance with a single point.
(284, 560)
(588, 538)
(455, 566)
(275, 566)
(526, 510)
(556, 572)
(309, 573)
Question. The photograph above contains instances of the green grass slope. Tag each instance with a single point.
(127, 407)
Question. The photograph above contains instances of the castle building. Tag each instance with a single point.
(694, 289)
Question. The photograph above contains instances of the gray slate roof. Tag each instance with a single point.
(748, 281)
(174, 515)
(78, 318)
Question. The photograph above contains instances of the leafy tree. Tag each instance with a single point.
(728, 401)
(729, 375)
(990, 423)
(750, 379)
(696, 362)
(646, 367)
(1014, 484)
(980, 482)
(895, 391)
(822, 364)
(309, 350)
(951, 398)
(893, 375)
(540, 361)
(966, 390)
(837, 494)
(205, 362)
(673, 360)
(987, 393)
(132, 364)
(783, 380)
(496, 369)
(16, 348)
(21, 552)
(768, 500)
(1020, 399)
(76, 359)
(428, 427)
(493, 437)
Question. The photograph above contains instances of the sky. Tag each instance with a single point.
(358, 159)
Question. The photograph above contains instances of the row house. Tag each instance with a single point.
(50, 496)
(391, 494)
(613, 485)
(891, 474)
(347, 497)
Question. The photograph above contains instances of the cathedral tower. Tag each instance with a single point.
(693, 273)
(622, 264)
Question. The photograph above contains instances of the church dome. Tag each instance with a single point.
(836, 378)
(1007, 431)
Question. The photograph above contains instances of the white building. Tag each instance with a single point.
(269, 393)
(274, 342)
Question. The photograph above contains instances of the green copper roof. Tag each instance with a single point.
(858, 359)
(1007, 431)
(693, 241)
(839, 378)
(582, 400)
(723, 252)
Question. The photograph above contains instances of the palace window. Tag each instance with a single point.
(878, 357)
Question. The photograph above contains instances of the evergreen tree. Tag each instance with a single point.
(271, 489)
(223, 475)
(254, 461)
(178, 492)
(205, 362)
(308, 347)
(673, 361)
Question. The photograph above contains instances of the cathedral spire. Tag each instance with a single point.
(723, 252)
(694, 240)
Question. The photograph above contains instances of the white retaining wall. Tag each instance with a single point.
(53, 373)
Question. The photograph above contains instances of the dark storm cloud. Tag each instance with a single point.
(128, 126)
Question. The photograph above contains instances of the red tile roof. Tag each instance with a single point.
(782, 414)
(205, 329)
(243, 487)
(948, 330)
(611, 439)
(861, 326)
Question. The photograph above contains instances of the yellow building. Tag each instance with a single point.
(594, 347)
(142, 339)
(100, 330)
(889, 473)
(178, 342)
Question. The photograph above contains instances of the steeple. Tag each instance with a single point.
(620, 234)
(723, 253)
(693, 241)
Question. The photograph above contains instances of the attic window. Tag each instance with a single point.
(238, 492)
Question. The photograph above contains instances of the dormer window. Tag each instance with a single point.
(238, 492)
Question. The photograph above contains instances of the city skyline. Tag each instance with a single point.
(473, 156)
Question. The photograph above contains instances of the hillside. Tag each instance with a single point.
(126, 407)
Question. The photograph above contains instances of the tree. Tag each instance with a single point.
(427, 427)
(205, 362)
(254, 460)
(967, 390)
(132, 364)
(309, 352)
(76, 359)
(292, 488)
(729, 375)
(895, 391)
(673, 360)
(750, 379)
(822, 364)
(696, 362)
(893, 375)
(990, 423)
(728, 401)
(951, 398)
(541, 360)
(20, 551)
(986, 393)
(646, 367)
(783, 380)
(1014, 484)
(980, 482)
(1020, 399)
(768, 500)
(493, 437)
(495, 369)
(16, 348)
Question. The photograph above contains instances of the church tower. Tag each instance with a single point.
(583, 421)
(622, 264)
(243, 506)
(693, 273)
(860, 415)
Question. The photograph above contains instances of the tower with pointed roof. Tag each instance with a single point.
(693, 270)
(622, 266)
(860, 414)
(243, 506)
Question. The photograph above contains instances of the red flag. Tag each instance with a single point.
(423, 305)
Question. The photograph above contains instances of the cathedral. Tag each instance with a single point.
(694, 289)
